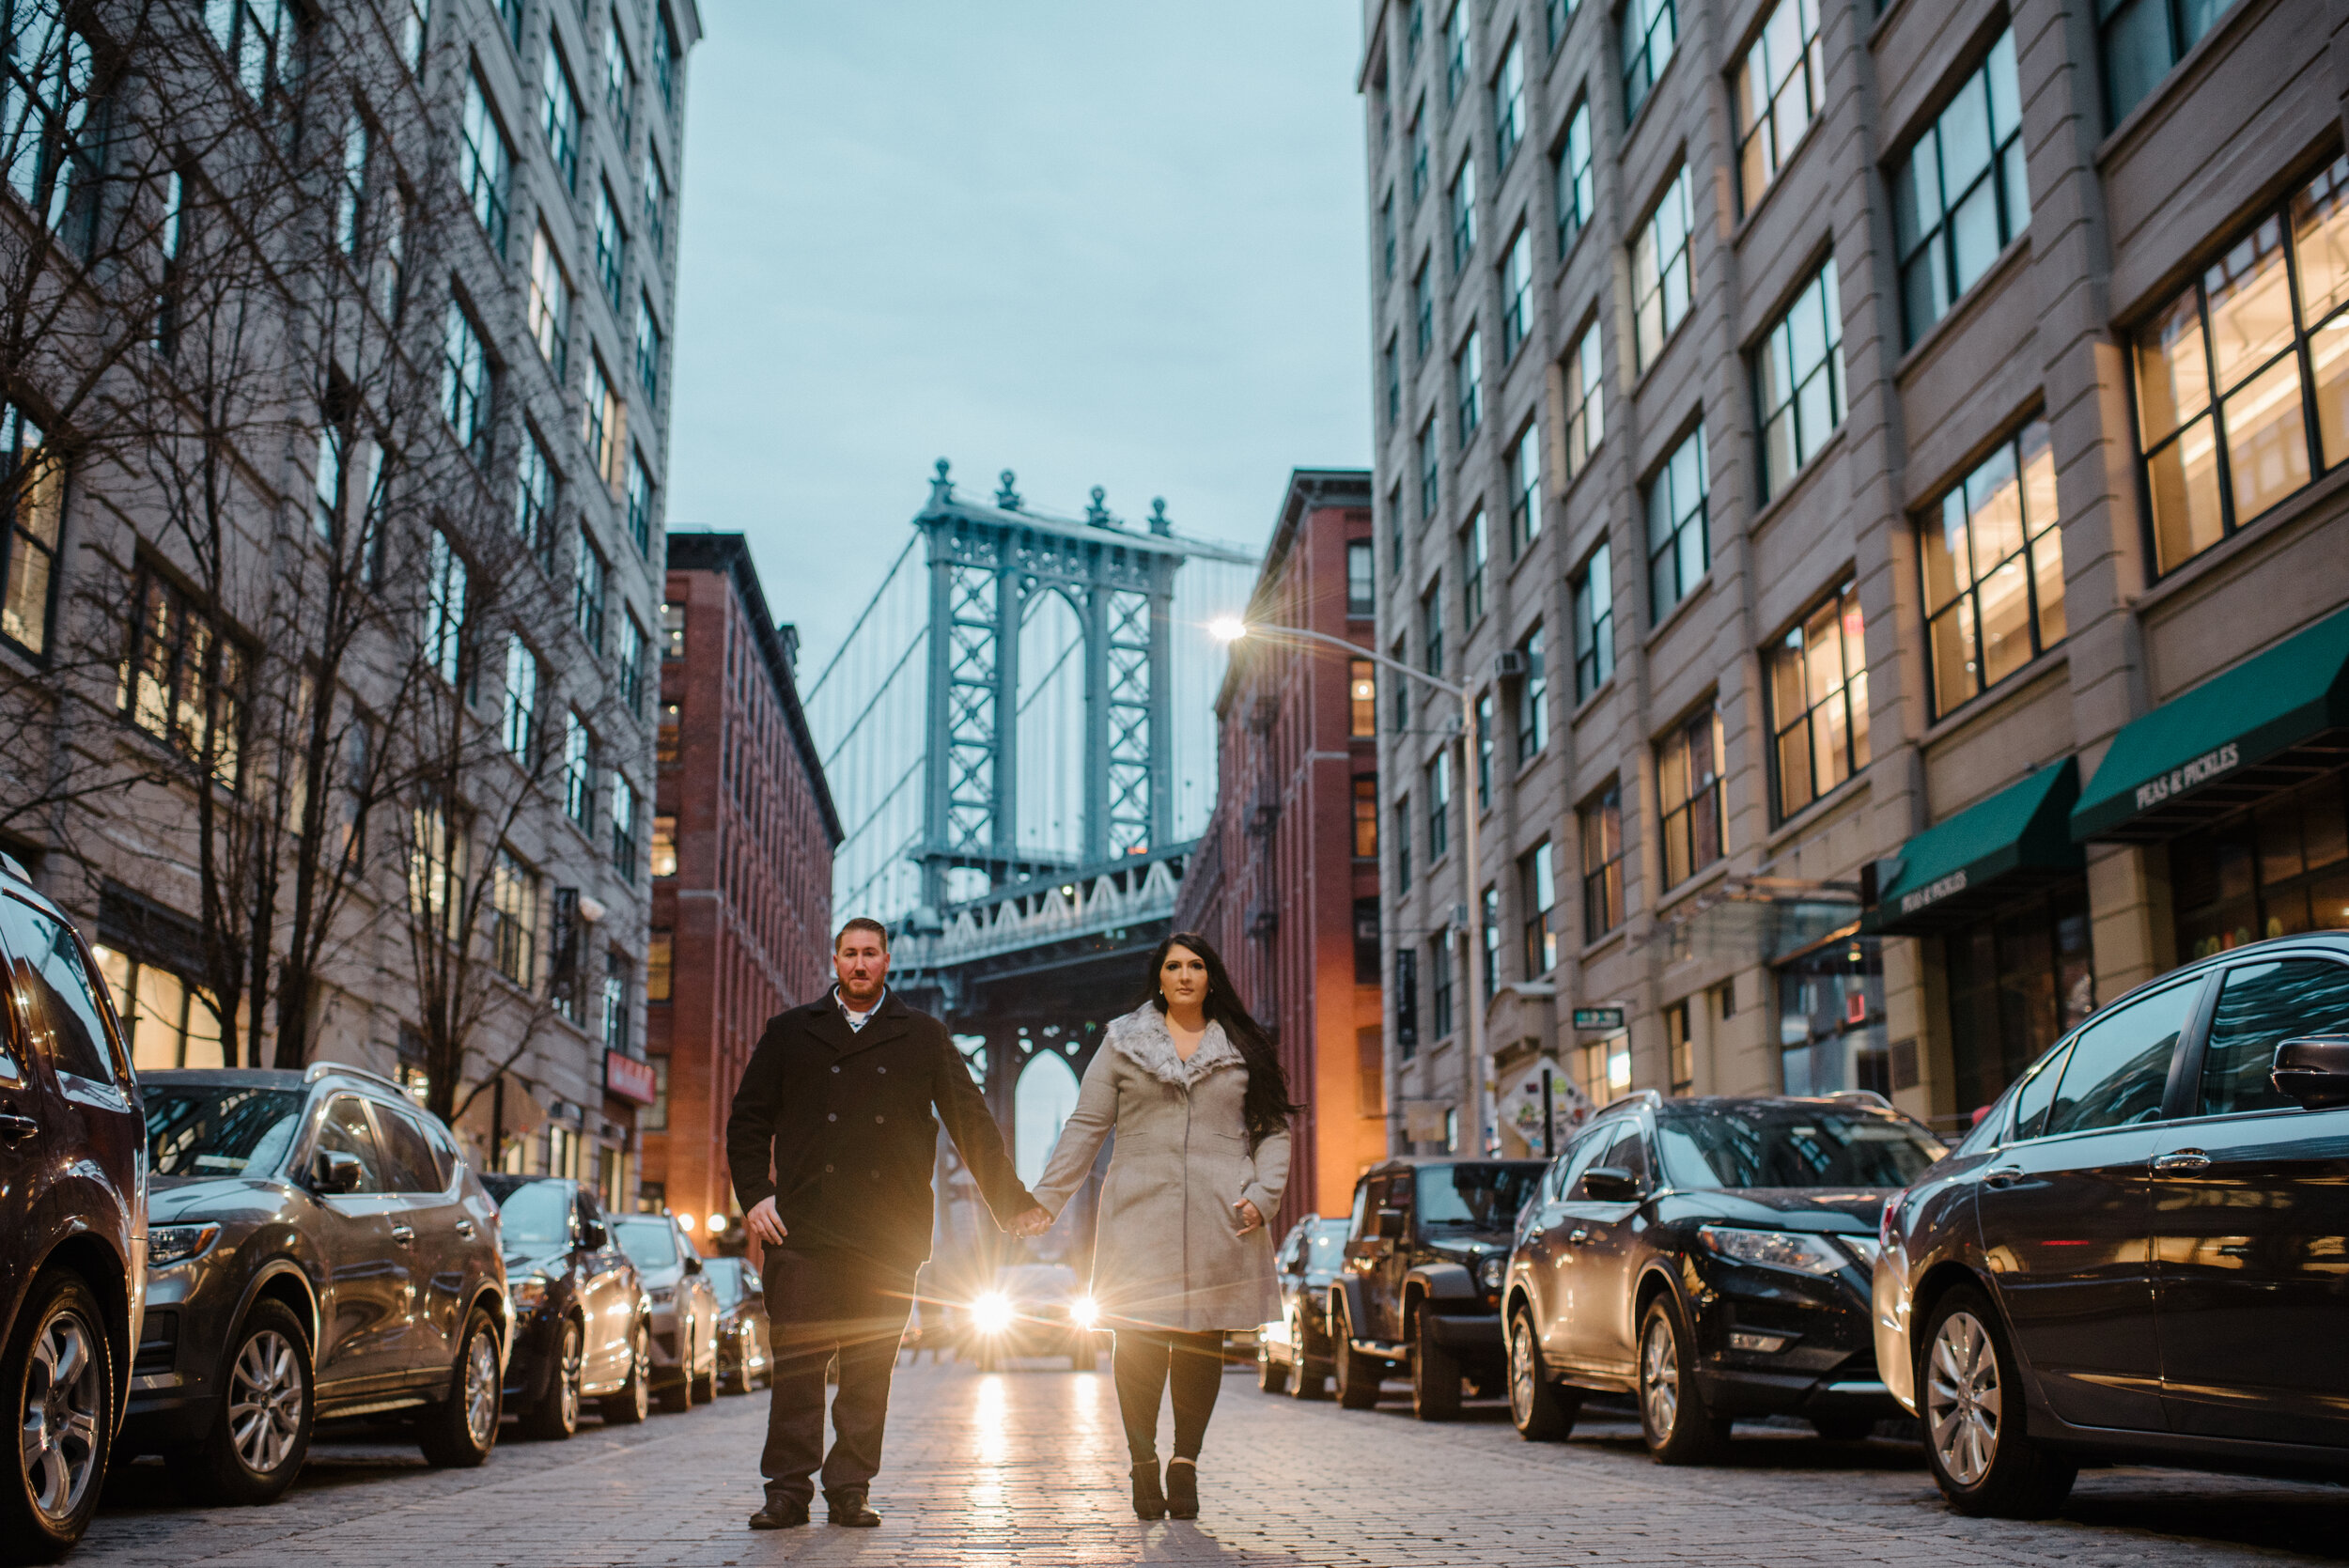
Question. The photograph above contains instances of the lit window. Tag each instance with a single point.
(659, 961)
(1362, 682)
(513, 916)
(1688, 778)
(1365, 817)
(1818, 689)
(1661, 286)
(1960, 195)
(181, 683)
(1602, 865)
(672, 631)
(1993, 565)
(550, 304)
(664, 846)
(1678, 545)
(1799, 379)
(1778, 94)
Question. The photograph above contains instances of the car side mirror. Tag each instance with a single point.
(1611, 1184)
(593, 1238)
(332, 1172)
(2313, 1070)
(1390, 1225)
(693, 1263)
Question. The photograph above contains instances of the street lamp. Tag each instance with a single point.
(1231, 629)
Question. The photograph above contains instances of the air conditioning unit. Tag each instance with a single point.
(1511, 664)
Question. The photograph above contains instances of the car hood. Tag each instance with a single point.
(553, 1265)
(1851, 1211)
(1467, 1247)
(655, 1277)
(176, 1200)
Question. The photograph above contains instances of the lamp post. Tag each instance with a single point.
(1230, 630)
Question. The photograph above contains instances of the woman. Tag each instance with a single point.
(1191, 1087)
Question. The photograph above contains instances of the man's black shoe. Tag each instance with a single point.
(780, 1513)
(845, 1506)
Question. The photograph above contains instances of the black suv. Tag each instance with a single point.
(320, 1250)
(1420, 1290)
(1710, 1256)
(2138, 1252)
(1292, 1355)
(72, 1224)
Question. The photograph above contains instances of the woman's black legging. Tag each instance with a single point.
(1146, 1361)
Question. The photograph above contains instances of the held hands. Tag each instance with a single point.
(1033, 1223)
(1249, 1218)
(765, 1223)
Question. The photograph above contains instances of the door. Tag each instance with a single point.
(370, 1285)
(1601, 1243)
(27, 1134)
(2064, 1218)
(609, 1290)
(425, 1224)
(2250, 1208)
(1371, 1257)
(1548, 1255)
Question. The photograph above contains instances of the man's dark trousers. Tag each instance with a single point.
(819, 1303)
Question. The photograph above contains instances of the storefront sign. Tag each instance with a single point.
(1599, 1017)
(2192, 776)
(1933, 892)
(630, 1078)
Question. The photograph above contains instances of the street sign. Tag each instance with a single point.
(1599, 1017)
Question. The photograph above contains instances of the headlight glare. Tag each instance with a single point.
(991, 1314)
(1084, 1312)
(1495, 1265)
(1793, 1249)
(168, 1245)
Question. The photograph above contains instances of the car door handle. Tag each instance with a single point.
(1576, 1237)
(403, 1234)
(464, 1228)
(13, 1126)
(2005, 1176)
(2182, 1160)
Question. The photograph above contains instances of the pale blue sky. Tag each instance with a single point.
(1097, 241)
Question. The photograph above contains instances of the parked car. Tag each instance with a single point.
(582, 1324)
(2137, 1254)
(1425, 1250)
(684, 1309)
(745, 1359)
(1292, 1355)
(1709, 1256)
(317, 1248)
(1035, 1309)
(73, 1225)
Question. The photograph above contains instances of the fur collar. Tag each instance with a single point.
(1142, 1038)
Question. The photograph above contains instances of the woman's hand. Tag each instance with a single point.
(1249, 1218)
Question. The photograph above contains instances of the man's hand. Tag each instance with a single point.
(1033, 1223)
(1249, 1218)
(765, 1223)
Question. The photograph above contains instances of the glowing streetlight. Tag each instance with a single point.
(1227, 629)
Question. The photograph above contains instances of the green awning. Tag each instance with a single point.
(1988, 853)
(2266, 725)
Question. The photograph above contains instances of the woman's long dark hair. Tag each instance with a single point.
(1267, 1109)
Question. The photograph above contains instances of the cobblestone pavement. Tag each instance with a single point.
(1027, 1467)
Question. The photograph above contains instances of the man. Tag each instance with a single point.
(842, 1100)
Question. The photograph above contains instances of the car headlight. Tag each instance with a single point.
(1864, 1248)
(1083, 1312)
(1795, 1249)
(529, 1293)
(991, 1314)
(1495, 1265)
(168, 1245)
(663, 1295)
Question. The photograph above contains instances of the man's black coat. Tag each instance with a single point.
(849, 1119)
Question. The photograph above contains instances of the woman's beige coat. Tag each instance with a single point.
(1167, 1251)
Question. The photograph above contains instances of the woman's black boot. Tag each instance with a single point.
(1182, 1490)
(1149, 1502)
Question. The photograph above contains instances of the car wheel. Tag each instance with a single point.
(60, 1380)
(676, 1395)
(1272, 1377)
(555, 1416)
(633, 1402)
(1358, 1375)
(1435, 1374)
(268, 1406)
(1672, 1415)
(1976, 1437)
(1541, 1411)
(460, 1431)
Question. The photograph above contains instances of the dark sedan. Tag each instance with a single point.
(583, 1319)
(1292, 1355)
(745, 1359)
(1710, 1256)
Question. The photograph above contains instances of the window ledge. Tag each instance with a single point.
(1799, 481)
(2195, 64)
(1778, 183)
(1671, 617)
(1827, 805)
(1991, 698)
(1694, 883)
(1597, 693)
(1663, 349)
(1612, 937)
(1963, 307)
(1655, 90)
(2274, 521)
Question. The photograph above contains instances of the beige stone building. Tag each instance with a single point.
(1902, 446)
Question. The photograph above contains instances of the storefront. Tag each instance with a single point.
(1830, 1018)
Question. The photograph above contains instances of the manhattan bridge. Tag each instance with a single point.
(1021, 725)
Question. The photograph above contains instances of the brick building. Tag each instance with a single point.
(1902, 441)
(742, 839)
(1285, 880)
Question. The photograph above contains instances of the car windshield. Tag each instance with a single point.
(726, 1279)
(534, 1213)
(1474, 1197)
(1792, 1146)
(1037, 1283)
(1328, 1246)
(649, 1242)
(218, 1130)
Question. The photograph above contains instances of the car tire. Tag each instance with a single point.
(52, 1491)
(268, 1407)
(458, 1432)
(1358, 1375)
(1435, 1374)
(1977, 1435)
(1672, 1415)
(632, 1402)
(555, 1414)
(676, 1395)
(1540, 1410)
(1272, 1377)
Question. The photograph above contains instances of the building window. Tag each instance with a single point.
(522, 699)
(1419, 156)
(1402, 835)
(631, 663)
(1688, 776)
(1533, 699)
(534, 495)
(444, 608)
(513, 917)
(2225, 373)
(603, 421)
(1778, 94)
(1489, 935)
(2273, 872)
(1439, 991)
(1586, 402)
(1819, 702)
(1525, 488)
(1387, 238)
(1394, 526)
(1601, 822)
(550, 306)
(669, 738)
(1799, 379)
(579, 773)
(1678, 548)
(664, 62)
(1414, 27)
(351, 195)
(439, 867)
(1571, 172)
(1391, 375)
(1537, 885)
(619, 81)
(511, 10)
(616, 1010)
(1516, 295)
(1467, 369)
(1431, 619)
(1509, 103)
(1483, 751)
(623, 827)
(656, 202)
(672, 630)
(465, 381)
(1430, 465)
(1607, 1068)
(1440, 805)
(181, 683)
(1660, 286)
(2019, 981)
(1365, 816)
(258, 35)
(648, 346)
(46, 87)
(639, 504)
(1593, 595)
(414, 30)
(1423, 313)
(32, 496)
(484, 161)
(1402, 704)
(1475, 553)
(1992, 567)
(1649, 29)
(1830, 1020)
(1457, 64)
(2144, 39)
(1555, 15)
(1464, 213)
(170, 1021)
(589, 584)
(1361, 593)
(1960, 196)
(611, 245)
(558, 116)
(664, 846)
(660, 964)
(1679, 1049)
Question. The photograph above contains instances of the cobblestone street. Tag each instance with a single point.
(1027, 1467)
